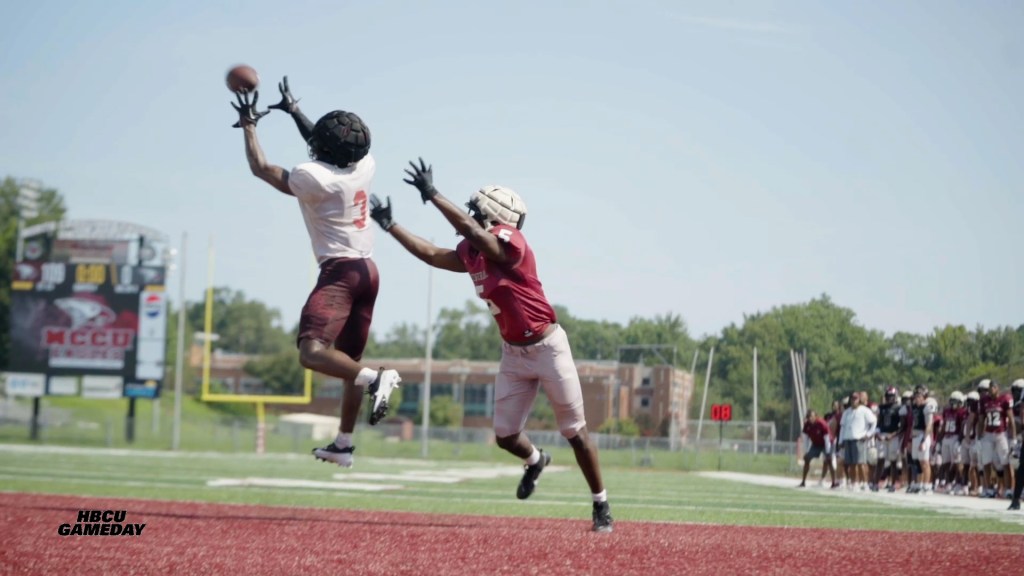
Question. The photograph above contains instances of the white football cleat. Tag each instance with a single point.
(379, 391)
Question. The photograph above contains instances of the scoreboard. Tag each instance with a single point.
(94, 329)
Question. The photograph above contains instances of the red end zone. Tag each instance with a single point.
(193, 538)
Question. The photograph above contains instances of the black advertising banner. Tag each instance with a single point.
(104, 322)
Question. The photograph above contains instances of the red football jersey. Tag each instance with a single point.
(512, 290)
(995, 411)
(817, 431)
(953, 420)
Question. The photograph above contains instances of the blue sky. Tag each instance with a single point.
(709, 159)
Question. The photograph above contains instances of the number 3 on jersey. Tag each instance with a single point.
(360, 203)
(480, 291)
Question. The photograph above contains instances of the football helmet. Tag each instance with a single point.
(497, 204)
(891, 393)
(957, 397)
(985, 384)
(340, 138)
(973, 396)
(1017, 389)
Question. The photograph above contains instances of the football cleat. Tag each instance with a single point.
(602, 517)
(1015, 505)
(530, 476)
(379, 391)
(332, 453)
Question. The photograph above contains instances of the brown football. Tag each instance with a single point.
(243, 78)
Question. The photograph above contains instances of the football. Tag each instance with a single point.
(243, 78)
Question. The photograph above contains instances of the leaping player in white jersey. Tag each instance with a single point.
(332, 190)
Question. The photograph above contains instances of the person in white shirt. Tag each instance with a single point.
(332, 192)
(857, 426)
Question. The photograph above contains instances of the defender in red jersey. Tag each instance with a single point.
(819, 443)
(331, 192)
(536, 349)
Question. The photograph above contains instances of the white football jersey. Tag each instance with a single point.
(335, 206)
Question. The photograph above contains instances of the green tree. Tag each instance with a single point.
(469, 333)
(244, 326)
(281, 372)
(444, 412)
(403, 341)
(51, 208)
(622, 427)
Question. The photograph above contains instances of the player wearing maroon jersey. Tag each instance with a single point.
(536, 350)
(331, 192)
(951, 436)
(819, 444)
(994, 422)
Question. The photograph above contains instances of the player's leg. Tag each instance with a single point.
(553, 361)
(324, 316)
(352, 342)
(333, 331)
(1018, 485)
(515, 390)
(807, 468)
(1001, 448)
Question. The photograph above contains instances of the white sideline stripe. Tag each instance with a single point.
(446, 476)
(968, 506)
(289, 483)
(407, 477)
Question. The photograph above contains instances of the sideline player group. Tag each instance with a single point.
(333, 193)
(969, 448)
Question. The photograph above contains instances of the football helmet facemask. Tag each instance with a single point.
(497, 204)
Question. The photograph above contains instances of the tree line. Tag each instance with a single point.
(842, 354)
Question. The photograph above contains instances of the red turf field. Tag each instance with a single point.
(197, 538)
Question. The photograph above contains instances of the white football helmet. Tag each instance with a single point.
(1018, 383)
(957, 396)
(497, 204)
(973, 395)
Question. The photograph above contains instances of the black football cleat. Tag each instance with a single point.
(602, 517)
(530, 476)
(1015, 505)
(331, 453)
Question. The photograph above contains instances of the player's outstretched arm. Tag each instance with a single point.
(422, 177)
(443, 258)
(290, 105)
(248, 116)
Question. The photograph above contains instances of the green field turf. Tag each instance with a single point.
(636, 494)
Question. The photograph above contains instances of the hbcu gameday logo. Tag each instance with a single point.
(101, 523)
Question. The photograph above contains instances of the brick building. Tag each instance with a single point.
(650, 395)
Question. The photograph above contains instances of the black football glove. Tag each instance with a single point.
(422, 179)
(381, 213)
(247, 113)
(288, 102)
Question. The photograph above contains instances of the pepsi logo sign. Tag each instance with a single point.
(151, 305)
